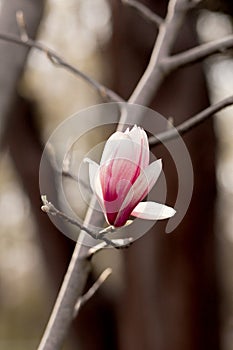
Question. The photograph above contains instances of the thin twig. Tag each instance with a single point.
(49, 208)
(144, 11)
(196, 54)
(118, 243)
(121, 242)
(104, 92)
(191, 123)
(96, 248)
(156, 68)
(89, 294)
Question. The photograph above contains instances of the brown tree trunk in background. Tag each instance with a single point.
(13, 57)
(170, 299)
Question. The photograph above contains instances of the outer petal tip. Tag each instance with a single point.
(153, 211)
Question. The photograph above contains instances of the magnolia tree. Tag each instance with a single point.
(118, 209)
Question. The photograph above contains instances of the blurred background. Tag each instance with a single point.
(167, 291)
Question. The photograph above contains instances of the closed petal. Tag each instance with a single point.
(153, 211)
(147, 179)
(115, 172)
(138, 191)
(93, 169)
(119, 145)
(95, 180)
(135, 134)
(146, 151)
(141, 145)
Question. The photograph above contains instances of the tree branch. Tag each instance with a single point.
(89, 294)
(49, 208)
(144, 11)
(52, 338)
(196, 54)
(191, 123)
(104, 92)
(154, 74)
(148, 85)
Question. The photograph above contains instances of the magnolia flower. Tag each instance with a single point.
(125, 177)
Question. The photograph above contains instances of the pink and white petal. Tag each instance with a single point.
(125, 209)
(125, 169)
(117, 146)
(135, 134)
(98, 189)
(146, 151)
(95, 179)
(141, 152)
(147, 179)
(139, 190)
(110, 146)
(153, 211)
(93, 169)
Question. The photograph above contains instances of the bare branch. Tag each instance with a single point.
(121, 242)
(104, 92)
(93, 250)
(72, 287)
(196, 54)
(89, 294)
(192, 122)
(70, 291)
(154, 74)
(144, 11)
(49, 208)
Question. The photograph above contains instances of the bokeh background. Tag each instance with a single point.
(167, 291)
